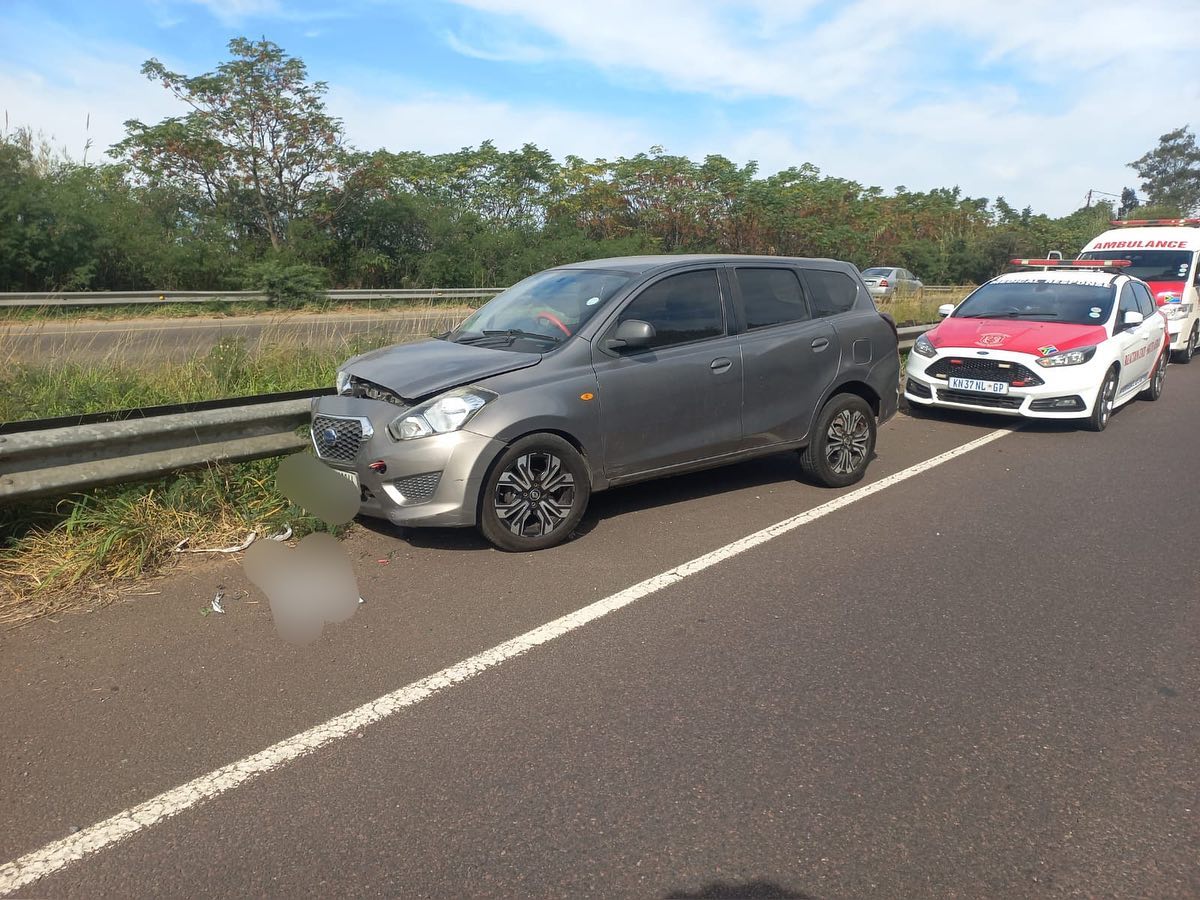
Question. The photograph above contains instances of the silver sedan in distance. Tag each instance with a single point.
(604, 373)
(886, 282)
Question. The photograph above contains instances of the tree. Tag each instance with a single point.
(1170, 172)
(256, 145)
(1129, 202)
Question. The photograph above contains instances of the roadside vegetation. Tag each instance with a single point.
(218, 309)
(85, 550)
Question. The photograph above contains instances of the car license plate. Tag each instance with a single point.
(351, 476)
(983, 387)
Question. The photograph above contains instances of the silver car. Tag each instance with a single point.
(603, 373)
(886, 282)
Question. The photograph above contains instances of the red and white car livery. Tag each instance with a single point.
(1073, 341)
(1164, 253)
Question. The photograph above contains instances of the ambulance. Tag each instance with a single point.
(1164, 254)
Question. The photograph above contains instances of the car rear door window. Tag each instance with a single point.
(831, 292)
(771, 297)
(682, 308)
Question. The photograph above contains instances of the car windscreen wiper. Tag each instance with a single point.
(1020, 314)
(515, 333)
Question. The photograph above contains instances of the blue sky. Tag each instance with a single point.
(1032, 101)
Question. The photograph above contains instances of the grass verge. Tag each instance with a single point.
(83, 550)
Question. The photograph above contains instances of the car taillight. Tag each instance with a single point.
(883, 282)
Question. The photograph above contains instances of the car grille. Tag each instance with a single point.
(984, 369)
(996, 401)
(418, 488)
(336, 438)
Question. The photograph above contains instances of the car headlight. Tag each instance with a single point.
(1176, 310)
(445, 413)
(924, 347)
(342, 382)
(1067, 358)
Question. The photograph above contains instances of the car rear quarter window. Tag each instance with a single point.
(682, 308)
(831, 292)
(771, 297)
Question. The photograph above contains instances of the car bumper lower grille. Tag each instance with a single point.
(917, 389)
(994, 401)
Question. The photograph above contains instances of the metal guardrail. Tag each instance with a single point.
(123, 298)
(56, 457)
(132, 298)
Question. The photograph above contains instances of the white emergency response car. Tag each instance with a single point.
(1072, 339)
(1165, 254)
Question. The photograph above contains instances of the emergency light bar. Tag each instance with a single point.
(1135, 222)
(1072, 263)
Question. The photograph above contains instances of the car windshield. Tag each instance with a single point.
(876, 271)
(1149, 265)
(544, 310)
(1043, 299)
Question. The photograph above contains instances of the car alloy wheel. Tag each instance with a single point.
(535, 495)
(1189, 349)
(1102, 411)
(843, 442)
(846, 441)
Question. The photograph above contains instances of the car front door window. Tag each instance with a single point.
(682, 309)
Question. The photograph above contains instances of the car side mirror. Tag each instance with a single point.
(1131, 318)
(632, 334)
(945, 309)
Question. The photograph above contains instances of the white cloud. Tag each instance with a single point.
(234, 12)
(435, 122)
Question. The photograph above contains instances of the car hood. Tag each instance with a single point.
(417, 371)
(1014, 335)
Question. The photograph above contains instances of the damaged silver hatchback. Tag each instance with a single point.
(602, 373)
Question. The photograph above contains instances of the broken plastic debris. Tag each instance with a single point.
(361, 600)
(284, 535)
(216, 601)
(182, 546)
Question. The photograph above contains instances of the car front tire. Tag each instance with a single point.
(843, 442)
(535, 495)
(1103, 407)
(1185, 355)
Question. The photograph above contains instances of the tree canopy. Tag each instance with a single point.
(256, 178)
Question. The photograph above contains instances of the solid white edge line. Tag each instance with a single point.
(58, 854)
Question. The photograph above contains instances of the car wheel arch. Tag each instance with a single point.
(850, 386)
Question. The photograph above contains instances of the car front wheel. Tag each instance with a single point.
(1103, 407)
(1189, 349)
(535, 495)
(843, 442)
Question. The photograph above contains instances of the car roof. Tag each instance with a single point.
(643, 264)
(1069, 276)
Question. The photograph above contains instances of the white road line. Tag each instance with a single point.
(56, 855)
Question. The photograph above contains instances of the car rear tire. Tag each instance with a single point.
(1185, 355)
(843, 442)
(1103, 407)
(535, 494)
(1157, 378)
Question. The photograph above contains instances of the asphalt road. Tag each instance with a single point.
(980, 681)
(157, 340)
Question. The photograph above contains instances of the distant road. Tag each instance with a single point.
(156, 340)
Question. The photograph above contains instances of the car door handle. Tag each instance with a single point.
(820, 344)
(721, 364)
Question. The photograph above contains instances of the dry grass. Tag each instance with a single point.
(82, 550)
(921, 310)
